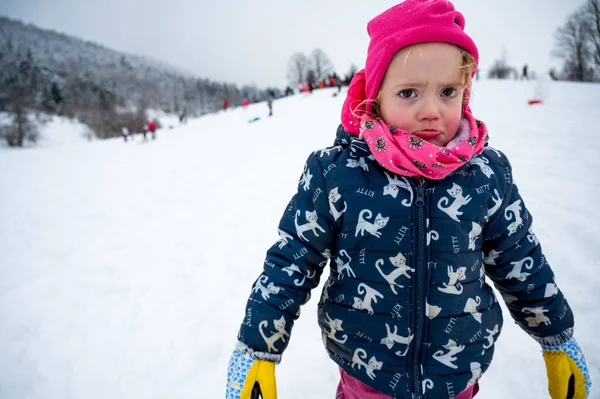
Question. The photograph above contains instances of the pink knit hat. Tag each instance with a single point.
(405, 24)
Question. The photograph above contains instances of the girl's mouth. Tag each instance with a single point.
(427, 134)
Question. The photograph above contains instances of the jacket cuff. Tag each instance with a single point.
(555, 340)
(270, 357)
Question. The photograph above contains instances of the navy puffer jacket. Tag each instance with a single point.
(406, 308)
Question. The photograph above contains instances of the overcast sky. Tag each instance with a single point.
(244, 42)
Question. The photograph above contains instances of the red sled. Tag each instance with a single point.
(533, 102)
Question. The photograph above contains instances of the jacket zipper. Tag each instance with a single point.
(419, 288)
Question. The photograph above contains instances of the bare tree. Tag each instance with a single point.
(320, 64)
(297, 68)
(591, 9)
(500, 68)
(573, 46)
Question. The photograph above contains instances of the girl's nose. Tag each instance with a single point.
(429, 110)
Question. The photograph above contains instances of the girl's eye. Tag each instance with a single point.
(449, 92)
(407, 93)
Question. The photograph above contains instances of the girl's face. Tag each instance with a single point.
(422, 91)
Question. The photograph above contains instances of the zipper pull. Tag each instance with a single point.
(420, 196)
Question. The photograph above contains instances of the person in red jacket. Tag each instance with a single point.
(152, 129)
(225, 105)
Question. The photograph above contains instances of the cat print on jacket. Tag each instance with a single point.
(327, 151)
(394, 185)
(483, 163)
(538, 316)
(306, 178)
(372, 228)
(370, 295)
(490, 338)
(474, 235)
(454, 287)
(471, 307)
(360, 163)
(497, 204)
(344, 267)
(265, 291)
(311, 225)
(280, 333)
(452, 210)
(516, 271)
(449, 357)
(509, 211)
(475, 373)
(393, 338)
(334, 197)
(401, 269)
(291, 269)
(432, 311)
(358, 360)
(335, 325)
(284, 238)
(431, 234)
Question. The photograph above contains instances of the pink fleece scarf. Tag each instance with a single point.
(406, 154)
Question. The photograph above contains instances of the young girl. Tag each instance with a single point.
(411, 210)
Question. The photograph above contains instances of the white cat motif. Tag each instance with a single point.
(373, 228)
(551, 290)
(393, 338)
(312, 225)
(447, 358)
(452, 210)
(474, 235)
(401, 269)
(392, 188)
(306, 178)
(265, 291)
(335, 325)
(432, 311)
(454, 287)
(483, 163)
(344, 267)
(357, 360)
(514, 209)
(497, 204)
(280, 333)
(360, 163)
(284, 238)
(490, 338)
(334, 196)
(518, 266)
(294, 268)
(370, 295)
(431, 234)
(538, 317)
(327, 151)
(475, 373)
(532, 237)
(471, 307)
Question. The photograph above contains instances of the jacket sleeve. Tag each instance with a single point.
(514, 261)
(292, 267)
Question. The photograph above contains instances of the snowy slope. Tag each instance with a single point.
(126, 266)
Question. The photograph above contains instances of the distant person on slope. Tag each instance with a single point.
(152, 129)
(411, 210)
(124, 133)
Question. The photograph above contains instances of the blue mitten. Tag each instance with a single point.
(568, 375)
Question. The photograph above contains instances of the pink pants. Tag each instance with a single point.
(351, 388)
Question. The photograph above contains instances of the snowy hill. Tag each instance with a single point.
(126, 266)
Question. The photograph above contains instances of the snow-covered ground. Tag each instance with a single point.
(125, 267)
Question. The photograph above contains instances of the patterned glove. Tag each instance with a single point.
(568, 375)
(249, 377)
